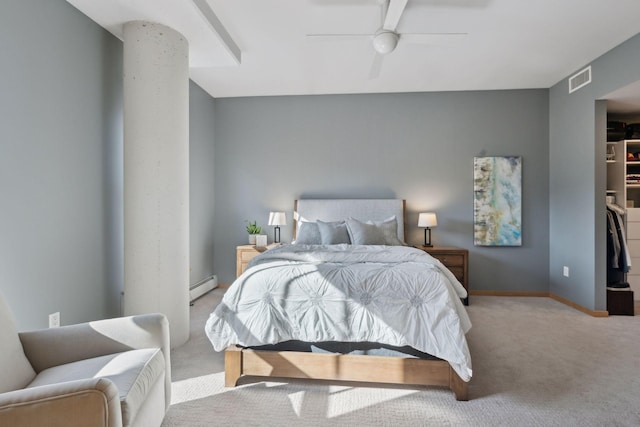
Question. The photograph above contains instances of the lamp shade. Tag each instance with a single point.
(427, 219)
(277, 218)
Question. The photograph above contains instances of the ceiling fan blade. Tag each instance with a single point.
(376, 67)
(439, 39)
(394, 13)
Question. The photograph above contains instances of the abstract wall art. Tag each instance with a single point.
(497, 209)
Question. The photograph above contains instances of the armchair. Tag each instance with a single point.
(113, 372)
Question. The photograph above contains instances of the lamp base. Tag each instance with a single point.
(427, 243)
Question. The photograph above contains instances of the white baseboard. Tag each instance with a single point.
(202, 287)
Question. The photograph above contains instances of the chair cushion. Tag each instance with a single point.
(15, 370)
(133, 372)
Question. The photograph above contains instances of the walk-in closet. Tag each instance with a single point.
(623, 204)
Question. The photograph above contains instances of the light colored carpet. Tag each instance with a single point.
(536, 362)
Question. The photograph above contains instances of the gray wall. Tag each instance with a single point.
(419, 147)
(201, 179)
(60, 171)
(61, 166)
(578, 175)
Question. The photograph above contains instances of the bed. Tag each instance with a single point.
(370, 309)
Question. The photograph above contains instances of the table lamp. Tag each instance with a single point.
(277, 219)
(427, 220)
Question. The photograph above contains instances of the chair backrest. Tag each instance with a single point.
(15, 370)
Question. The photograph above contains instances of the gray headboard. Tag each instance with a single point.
(340, 209)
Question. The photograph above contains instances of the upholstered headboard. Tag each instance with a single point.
(340, 209)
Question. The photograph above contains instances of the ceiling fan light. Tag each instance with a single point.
(385, 42)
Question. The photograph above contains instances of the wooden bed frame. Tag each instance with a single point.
(343, 367)
(240, 362)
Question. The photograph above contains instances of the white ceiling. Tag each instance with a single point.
(510, 44)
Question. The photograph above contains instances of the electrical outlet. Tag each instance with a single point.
(54, 320)
(565, 271)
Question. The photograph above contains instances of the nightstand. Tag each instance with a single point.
(455, 259)
(245, 253)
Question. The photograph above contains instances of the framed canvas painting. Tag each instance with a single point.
(497, 209)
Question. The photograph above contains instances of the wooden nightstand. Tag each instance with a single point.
(245, 253)
(455, 259)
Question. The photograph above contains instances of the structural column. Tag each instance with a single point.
(156, 174)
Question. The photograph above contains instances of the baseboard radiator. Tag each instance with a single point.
(202, 287)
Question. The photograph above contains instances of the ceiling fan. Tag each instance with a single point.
(386, 38)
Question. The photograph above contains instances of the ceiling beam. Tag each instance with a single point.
(217, 27)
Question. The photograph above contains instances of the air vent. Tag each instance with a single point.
(581, 79)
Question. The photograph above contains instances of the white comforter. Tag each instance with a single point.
(395, 295)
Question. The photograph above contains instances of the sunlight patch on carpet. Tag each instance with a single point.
(273, 384)
(197, 388)
(349, 400)
(296, 400)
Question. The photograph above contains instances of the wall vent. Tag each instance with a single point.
(580, 79)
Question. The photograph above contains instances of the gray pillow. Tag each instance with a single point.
(389, 228)
(308, 234)
(374, 233)
(333, 233)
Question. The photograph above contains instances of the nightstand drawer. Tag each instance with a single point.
(246, 256)
(457, 271)
(455, 259)
(450, 260)
(246, 253)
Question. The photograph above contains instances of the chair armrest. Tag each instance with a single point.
(92, 402)
(56, 346)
